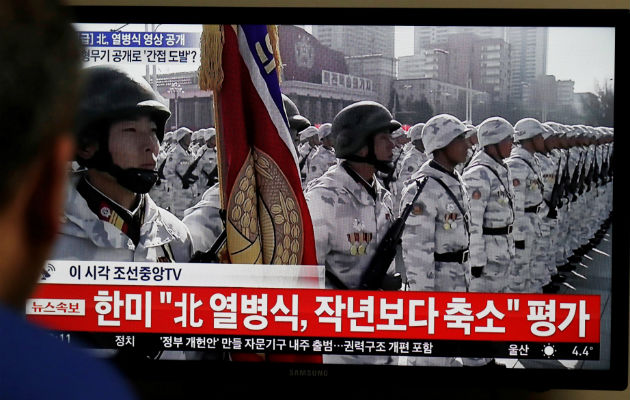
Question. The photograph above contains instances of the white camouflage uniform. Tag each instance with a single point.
(348, 225)
(319, 162)
(527, 184)
(177, 162)
(203, 220)
(491, 206)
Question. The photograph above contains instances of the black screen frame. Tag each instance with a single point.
(163, 376)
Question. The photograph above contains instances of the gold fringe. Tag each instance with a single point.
(210, 71)
(274, 39)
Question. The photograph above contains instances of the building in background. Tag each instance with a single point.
(357, 40)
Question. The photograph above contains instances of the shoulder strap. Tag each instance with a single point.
(452, 196)
(499, 178)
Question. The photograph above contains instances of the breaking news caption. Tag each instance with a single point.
(284, 309)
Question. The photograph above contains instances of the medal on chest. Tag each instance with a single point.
(359, 239)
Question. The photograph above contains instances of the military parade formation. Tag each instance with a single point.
(442, 206)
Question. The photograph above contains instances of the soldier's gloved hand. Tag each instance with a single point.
(476, 271)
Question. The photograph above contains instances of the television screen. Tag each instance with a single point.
(418, 192)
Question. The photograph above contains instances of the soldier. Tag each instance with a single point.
(488, 183)
(297, 122)
(309, 139)
(400, 138)
(528, 190)
(108, 215)
(177, 162)
(472, 142)
(206, 163)
(350, 209)
(324, 157)
(412, 160)
(548, 162)
(108, 211)
(435, 241)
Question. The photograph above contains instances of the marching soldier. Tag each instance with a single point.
(350, 209)
(324, 157)
(435, 241)
(177, 162)
(489, 185)
(528, 190)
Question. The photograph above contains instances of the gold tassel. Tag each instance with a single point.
(274, 39)
(210, 71)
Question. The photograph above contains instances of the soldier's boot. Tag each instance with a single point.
(567, 267)
(550, 288)
(558, 278)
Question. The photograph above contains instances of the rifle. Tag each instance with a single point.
(188, 177)
(603, 173)
(589, 175)
(160, 172)
(564, 182)
(212, 255)
(582, 176)
(303, 161)
(375, 276)
(573, 186)
(555, 193)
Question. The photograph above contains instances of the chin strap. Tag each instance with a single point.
(386, 167)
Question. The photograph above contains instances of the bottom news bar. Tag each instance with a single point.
(156, 342)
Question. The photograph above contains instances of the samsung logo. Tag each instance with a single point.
(308, 372)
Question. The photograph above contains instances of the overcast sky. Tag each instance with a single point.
(584, 55)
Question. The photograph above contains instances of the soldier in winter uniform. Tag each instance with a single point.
(350, 209)
(108, 215)
(177, 162)
(324, 157)
(491, 206)
(309, 139)
(412, 160)
(206, 163)
(435, 241)
(526, 274)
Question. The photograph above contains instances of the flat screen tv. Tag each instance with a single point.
(265, 283)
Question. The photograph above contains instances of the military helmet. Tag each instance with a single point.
(325, 130)
(549, 131)
(209, 134)
(296, 121)
(181, 132)
(109, 93)
(472, 130)
(415, 132)
(493, 130)
(355, 125)
(400, 132)
(527, 128)
(440, 130)
(309, 132)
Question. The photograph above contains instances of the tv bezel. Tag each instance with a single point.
(163, 375)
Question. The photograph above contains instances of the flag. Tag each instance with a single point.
(267, 219)
(266, 215)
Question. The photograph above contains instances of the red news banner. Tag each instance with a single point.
(143, 302)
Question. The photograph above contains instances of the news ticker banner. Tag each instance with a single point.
(223, 307)
(140, 47)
